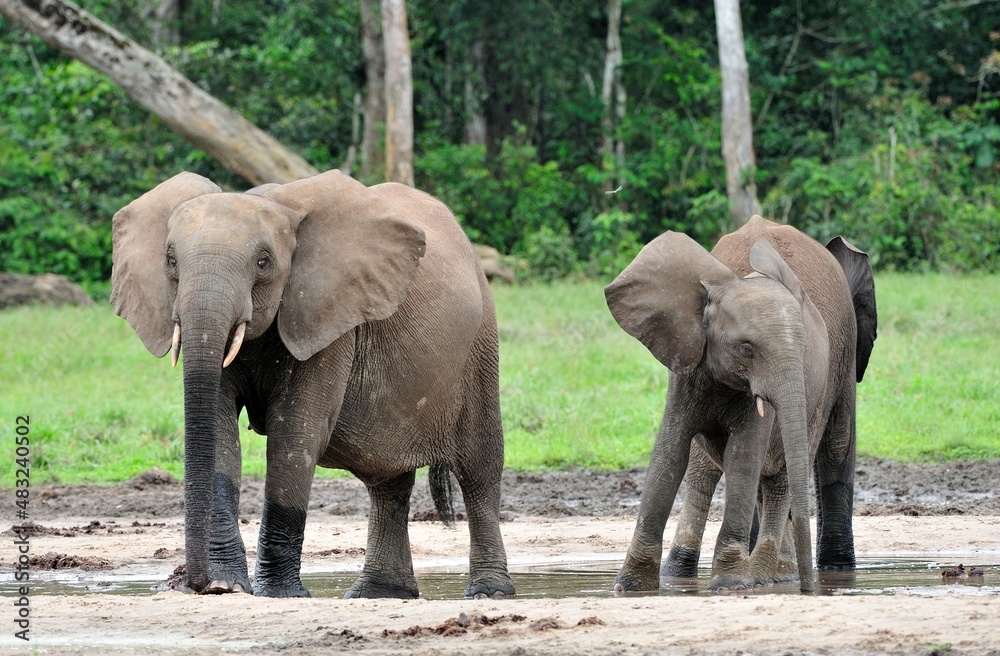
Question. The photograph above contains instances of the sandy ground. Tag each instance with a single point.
(958, 618)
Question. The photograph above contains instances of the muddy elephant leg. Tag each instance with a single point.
(283, 521)
(488, 576)
(702, 478)
(388, 570)
(227, 555)
(667, 465)
(773, 558)
(834, 472)
(744, 459)
(478, 465)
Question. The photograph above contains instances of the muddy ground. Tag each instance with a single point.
(98, 536)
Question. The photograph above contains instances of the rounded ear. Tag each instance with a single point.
(764, 259)
(858, 269)
(659, 298)
(140, 290)
(354, 261)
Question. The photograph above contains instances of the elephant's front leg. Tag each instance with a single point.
(744, 459)
(641, 569)
(291, 464)
(227, 556)
(388, 570)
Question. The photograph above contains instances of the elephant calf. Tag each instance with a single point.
(357, 329)
(766, 338)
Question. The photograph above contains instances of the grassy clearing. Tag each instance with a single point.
(932, 390)
(576, 391)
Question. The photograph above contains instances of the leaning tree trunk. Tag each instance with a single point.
(398, 93)
(737, 127)
(234, 142)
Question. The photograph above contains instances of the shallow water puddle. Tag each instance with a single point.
(916, 575)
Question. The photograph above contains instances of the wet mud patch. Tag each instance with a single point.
(456, 626)
(54, 561)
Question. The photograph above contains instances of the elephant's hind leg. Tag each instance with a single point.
(488, 575)
(834, 470)
(702, 478)
(388, 570)
(477, 461)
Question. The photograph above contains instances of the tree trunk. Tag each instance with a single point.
(161, 17)
(372, 157)
(398, 93)
(234, 142)
(475, 92)
(737, 126)
(613, 99)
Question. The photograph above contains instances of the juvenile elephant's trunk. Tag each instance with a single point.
(790, 407)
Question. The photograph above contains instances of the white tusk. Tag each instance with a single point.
(760, 406)
(235, 346)
(175, 345)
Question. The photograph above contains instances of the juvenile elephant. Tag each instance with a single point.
(766, 338)
(357, 329)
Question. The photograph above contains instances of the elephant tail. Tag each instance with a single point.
(443, 492)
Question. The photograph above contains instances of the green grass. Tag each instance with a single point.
(932, 390)
(576, 390)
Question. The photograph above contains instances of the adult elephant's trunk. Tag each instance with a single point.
(204, 333)
(790, 406)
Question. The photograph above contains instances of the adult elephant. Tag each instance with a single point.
(765, 338)
(357, 329)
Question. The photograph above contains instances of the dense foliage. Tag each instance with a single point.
(880, 121)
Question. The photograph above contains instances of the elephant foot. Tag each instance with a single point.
(737, 572)
(681, 563)
(637, 576)
(729, 583)
(836, 560)
(227, 585)
(280, 591)
(224, 579)
(497, 586)
(732, 570)
(367, 587)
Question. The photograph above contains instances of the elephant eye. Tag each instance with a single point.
(171, 261)
(264, 261)
(746, 350)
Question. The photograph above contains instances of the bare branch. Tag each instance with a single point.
(233, 141)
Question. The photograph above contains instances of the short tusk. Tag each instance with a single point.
(760, 406)
(237, 343)
(175, 345)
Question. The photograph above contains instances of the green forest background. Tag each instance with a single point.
(879, 121)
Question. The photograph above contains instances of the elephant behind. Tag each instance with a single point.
(357, 329)
(766, 338)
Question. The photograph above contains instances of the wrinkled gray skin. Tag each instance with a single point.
(766, 338)
(370, 345)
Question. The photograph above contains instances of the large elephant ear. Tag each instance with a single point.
(766, 260)
(659, 298)
(354, 261)
(140, 290)
(858, 268)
